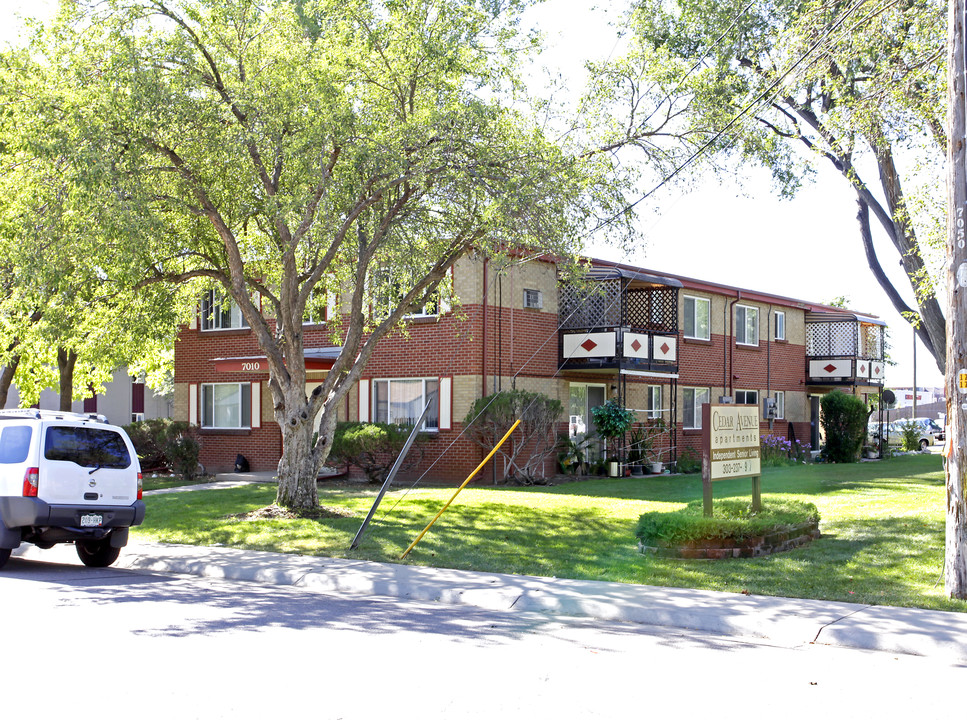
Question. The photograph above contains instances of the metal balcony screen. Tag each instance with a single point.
(589, 307)
(648, 309)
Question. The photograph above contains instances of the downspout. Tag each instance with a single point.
(731, 348)
(483, 353)
(769, 334)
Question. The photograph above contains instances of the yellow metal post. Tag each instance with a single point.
(469, 478)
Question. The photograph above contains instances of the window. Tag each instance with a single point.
(746, 325)
(654, 401)
(533, 299)
(780, 325)
(780, 404)
(220, 313)
(696, 320)
(319, 308)
(390, 285)
(692, 401)
(747, 397)
(226, 405)
(14, 443)
(87, 447)
(402, 401)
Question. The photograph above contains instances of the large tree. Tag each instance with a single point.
(800, 84)
(281, 151)
(69, 313)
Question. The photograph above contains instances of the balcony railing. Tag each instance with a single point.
(844, 348)
(620, 319)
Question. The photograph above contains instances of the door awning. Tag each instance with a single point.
(316, 359)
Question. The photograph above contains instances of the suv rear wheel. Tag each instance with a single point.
(923, 445)
(97, 553)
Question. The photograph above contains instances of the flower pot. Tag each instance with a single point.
(655, 468)
(637, 470)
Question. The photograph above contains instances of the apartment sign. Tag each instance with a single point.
(731, 440)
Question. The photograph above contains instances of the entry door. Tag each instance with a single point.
(583, 397)
(814, 423)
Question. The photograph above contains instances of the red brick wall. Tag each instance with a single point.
(523, 341)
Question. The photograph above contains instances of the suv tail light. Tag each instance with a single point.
(31, 479)
(140, 486)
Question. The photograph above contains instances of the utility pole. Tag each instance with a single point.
(955, 555)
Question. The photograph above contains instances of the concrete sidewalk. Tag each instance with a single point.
(783, 621)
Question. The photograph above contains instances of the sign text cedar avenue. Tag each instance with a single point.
(732, 440)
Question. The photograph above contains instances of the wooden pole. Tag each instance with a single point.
(955, 554)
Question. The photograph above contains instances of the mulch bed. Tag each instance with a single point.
(274, 512)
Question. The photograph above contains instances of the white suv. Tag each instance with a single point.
(67, 477)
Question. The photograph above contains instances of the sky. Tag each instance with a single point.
(735, 231)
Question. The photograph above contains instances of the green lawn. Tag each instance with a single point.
(882, 524)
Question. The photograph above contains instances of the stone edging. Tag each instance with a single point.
(781, 540)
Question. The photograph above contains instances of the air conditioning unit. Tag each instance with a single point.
(533, 299)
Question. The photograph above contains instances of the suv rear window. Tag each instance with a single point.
(86, 446)
(14, 443)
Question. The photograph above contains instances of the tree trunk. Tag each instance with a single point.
(297, 469)
(955, 555)
(66, 359)
(6, 379)
(300, 463)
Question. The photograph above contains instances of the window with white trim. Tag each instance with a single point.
(219, 312)
(390, 285)
(695, 322)
(780, 404)
(780, 325)
(692, 400)
(320, 307)
(654, 401)
(747, 397)
(401, 401)
(533, 299)
(746, 325)
(226, 406)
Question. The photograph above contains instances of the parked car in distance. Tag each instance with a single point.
(929, 432)
(67, 478)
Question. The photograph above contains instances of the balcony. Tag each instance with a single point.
(620, 320)
(844, 349)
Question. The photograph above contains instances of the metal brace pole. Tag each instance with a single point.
(392, 475)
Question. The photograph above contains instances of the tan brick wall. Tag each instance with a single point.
(180, 411)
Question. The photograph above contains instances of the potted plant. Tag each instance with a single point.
(612, 421)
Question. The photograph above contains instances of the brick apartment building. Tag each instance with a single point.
(662, 344)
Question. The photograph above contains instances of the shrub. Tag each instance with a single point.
(374, 447)
(165, 444)
(689, 461)
(910, 435)
(731, 519)
(525, 451)
(843, 418)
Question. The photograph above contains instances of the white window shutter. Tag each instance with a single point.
(446, 394)
(364, 401)
(256, 420)
(193, 403)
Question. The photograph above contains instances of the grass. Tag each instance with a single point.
(162, 482)
(882, 525)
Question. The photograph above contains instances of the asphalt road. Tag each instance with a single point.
(97, 643)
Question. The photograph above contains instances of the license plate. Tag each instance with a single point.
(92, 520)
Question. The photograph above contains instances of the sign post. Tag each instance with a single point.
(730, 448)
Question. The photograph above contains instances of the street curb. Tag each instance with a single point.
(785, 621)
